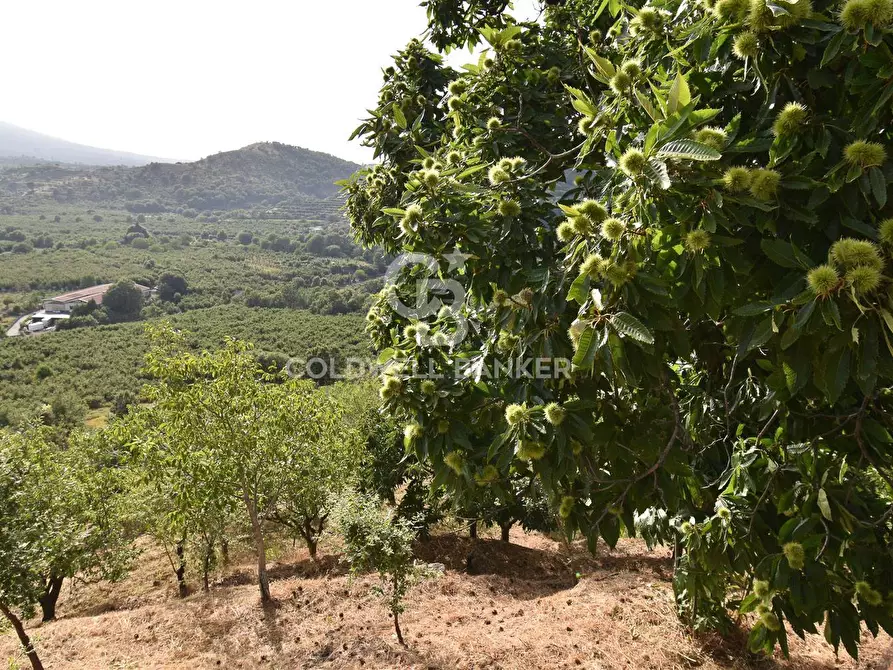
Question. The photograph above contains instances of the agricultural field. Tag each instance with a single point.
(266, 280)
(90, 367)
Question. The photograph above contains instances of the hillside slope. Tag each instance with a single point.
(295, 181)
(21, 144)
(522, 608)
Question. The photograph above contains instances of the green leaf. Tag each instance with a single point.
(754, 308)
(832, 48)
(888, 319)
(860, 227)
(603, 65)
(689, 149)
(583, 107)
(647, 106)
(831, 314)
(579, 289)
(601, 8)
(700, 116)
(797, 371)
(836, 366)
(626, 324)
(470, 171)
(761, 334)
(399, 117)
(780, 252)
(679, 95)
(878, 186)
(610, 530)
(657, 173)
(386, 355)
(824, 507)
(567, 209)
(804, 315)
(590, 342)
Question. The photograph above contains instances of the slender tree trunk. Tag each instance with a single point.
(182, 590)
(262, 579)
(51, 596)
(473, 530)
(504, 530)
(397, 628)
(206, 566)
(24, 640)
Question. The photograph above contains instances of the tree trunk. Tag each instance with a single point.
(24, 640)
(473, 530)
(397, 628)
(262, 579)
(311, 536)
(51, 596)
(224, 551)
(206, 566)
(182, 590)
(504, 530)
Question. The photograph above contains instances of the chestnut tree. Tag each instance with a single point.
(689, 202)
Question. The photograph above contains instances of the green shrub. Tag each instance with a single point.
(376, 539)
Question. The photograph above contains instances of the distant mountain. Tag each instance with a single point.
(264, 176)
(21, 144)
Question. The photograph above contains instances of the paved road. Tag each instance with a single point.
(14, 329)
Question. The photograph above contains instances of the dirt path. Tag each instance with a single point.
(528, 605)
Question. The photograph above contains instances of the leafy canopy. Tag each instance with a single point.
(689, 202)
(62, 512)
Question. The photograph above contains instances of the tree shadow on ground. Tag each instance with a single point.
(490, 557)
(272, 630)
(522, 571)
(659, 563)
(306, 568)
(329, 564)
(730, 650)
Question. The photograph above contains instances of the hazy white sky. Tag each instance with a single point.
(186, 78)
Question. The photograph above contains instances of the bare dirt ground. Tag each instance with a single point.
(511, 606)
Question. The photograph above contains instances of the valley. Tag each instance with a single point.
(272, 261)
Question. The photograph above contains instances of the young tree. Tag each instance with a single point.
(60, 517)
(178, 505)
(718, 273)
(240, 433)
(375, 539)
(87, 488)
(323, 465)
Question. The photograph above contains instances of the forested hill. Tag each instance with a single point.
(264, 176)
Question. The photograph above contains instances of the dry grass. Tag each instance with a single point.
(520, 606)
(98, 418)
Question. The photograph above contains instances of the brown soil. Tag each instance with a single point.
(531, 604)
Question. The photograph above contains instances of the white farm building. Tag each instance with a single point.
(65, 303)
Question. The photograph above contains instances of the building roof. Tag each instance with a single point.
(95, 293)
